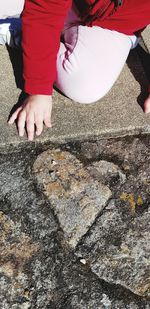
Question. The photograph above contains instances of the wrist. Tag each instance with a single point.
(41, 96)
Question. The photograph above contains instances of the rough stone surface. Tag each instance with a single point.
(27, 227)
(109, 268)
(118, 250)
(106, 172)
(75, 196)
(146, 37)
(117, 247)
(37, 269)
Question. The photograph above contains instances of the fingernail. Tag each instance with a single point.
(30, 138)
(10, 122)
(146, 111)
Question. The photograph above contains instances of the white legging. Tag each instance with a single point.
(10, 24)
(9, 8)
(88, 62)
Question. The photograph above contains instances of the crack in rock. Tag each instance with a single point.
(118, 251)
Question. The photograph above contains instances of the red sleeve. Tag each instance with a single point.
(149, 89)
(42, 21)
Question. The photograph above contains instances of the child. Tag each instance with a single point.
(97, 37)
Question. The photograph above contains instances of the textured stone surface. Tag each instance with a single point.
(26, 241)
(117, 247)
(37, 269)
(146, 37)
(110, 268)
(75, 196)
(120, 250)
(106, 172)
(111, 263)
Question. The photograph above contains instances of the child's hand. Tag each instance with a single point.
(35, 110)
(147, 105)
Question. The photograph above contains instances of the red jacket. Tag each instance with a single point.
(42, 21)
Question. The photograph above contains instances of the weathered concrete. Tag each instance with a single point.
(117, 114)
(146, 38)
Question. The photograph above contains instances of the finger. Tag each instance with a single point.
(14, 115)
(147, 106)
(21, 123)
(39, 126)
(47, 121)
(30, 127)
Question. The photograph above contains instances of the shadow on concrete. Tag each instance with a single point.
(136, 69)
(20, 101)
(140, 71)
(15, 55)
(145, 60)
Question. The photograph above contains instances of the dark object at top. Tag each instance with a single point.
(90, 10)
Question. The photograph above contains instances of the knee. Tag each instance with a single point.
(82, 93)
(81, 86)
(84, 98)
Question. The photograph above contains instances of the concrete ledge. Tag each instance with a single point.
(146, 38)
(118, 114)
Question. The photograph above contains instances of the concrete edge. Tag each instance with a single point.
(19, 145)
(146, 38)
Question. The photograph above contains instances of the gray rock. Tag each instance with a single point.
(36, 270)
(76, 197)
(106, 172)
(90, 150)
(118, 251)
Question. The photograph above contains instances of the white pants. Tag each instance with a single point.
(10, 23)
(9, 8)
(90, 59)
